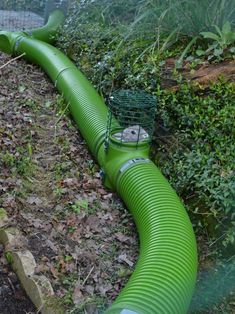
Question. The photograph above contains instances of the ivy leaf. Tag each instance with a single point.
(232, 50)
(21, 88)
(218, 52)
(200, 52)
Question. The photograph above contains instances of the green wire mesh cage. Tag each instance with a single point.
(21, 15)
(131, 117)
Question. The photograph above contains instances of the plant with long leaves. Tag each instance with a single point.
(224, 36)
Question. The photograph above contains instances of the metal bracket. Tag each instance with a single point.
(132, 162)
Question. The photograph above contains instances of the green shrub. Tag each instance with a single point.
(199, 157)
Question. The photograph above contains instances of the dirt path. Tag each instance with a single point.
(82, 237)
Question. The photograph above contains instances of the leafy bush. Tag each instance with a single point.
(199, 156)
(219, 44)
(224, 36)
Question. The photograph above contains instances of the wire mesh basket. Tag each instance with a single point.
(131, 117)
(21, 15)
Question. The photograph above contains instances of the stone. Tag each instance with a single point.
(8, 236)
(38, 288)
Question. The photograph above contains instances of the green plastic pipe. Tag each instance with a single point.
(47, 32)
(165, 274)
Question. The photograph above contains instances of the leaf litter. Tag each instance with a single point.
(81, 235)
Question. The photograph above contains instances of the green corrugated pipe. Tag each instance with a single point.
(47, 32)
(165, 275)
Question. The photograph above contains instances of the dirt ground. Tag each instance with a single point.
(80, 234)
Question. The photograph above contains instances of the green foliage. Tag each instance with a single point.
(194, 16)
(95, 50)
(24, 165)
(199, 157)
(3, 213)
(214, 53)
(224, 37)
(9, 257)
(216, 289)
(20, 162)
(79, 205)
(153, 18)
(219, 49)
(7, 159)
(128, 41)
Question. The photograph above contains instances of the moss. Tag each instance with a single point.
(9, 257)
(3, 213)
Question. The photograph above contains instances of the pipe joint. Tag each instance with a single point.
(130, 163)
(60, 73)
(118, 158)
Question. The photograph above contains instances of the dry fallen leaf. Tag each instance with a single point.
(77, 294)
(34, 200)
(54, 272)
(123, 258)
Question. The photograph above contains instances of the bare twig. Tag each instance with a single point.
(85, 280)
(12, 60)
(39, 309)
(11, 284)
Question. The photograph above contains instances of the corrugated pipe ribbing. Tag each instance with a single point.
(165, 275)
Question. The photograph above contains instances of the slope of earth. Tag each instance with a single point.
(81, 236)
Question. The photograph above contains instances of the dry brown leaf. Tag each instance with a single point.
(77, 293)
